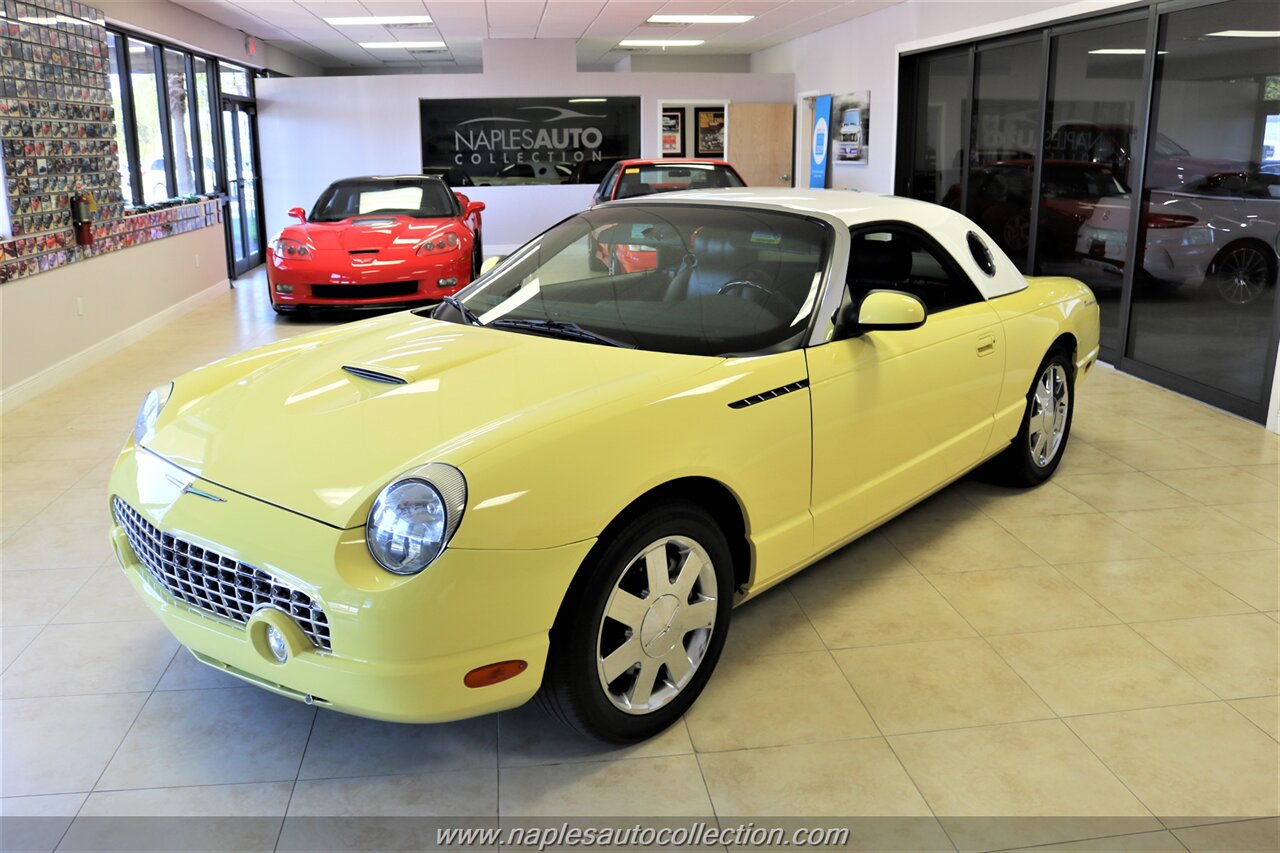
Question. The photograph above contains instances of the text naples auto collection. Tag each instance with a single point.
(516, 145)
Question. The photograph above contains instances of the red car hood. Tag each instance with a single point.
(368, 232)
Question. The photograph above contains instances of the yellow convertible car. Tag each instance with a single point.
(559, 482)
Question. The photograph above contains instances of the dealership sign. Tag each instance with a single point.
(511, 138)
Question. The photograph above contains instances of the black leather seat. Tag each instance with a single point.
(716, 261)
(630, 190)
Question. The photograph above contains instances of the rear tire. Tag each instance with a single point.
(642, 626)
(1034, 454)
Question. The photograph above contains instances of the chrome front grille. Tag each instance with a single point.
(215, 583)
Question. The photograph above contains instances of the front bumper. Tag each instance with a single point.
(318, 283)
(400, 645)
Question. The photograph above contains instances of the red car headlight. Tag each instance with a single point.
(291, 250)
(446, 242)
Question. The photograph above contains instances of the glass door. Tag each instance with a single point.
(240, 155)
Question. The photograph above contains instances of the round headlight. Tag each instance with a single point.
(150, 410)
(412, 519)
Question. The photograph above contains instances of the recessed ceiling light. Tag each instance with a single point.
(660, 42)
(1247, 34)
(401, 45)
(370, 20)
(1124, 51)
(700, 19)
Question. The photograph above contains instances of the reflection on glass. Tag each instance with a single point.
(234, 79)
(175, 77)
(942, 97)
(146, 112)
(204, 114)
(116, 44)
(1204, 297)
(233, 184)
(249, 179)
(1083, 222)
(1004, 145)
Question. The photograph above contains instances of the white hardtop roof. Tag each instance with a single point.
(849, 205)
(946, 226)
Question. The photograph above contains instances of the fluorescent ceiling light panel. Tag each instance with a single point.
(401, 45)
(378, 20)
(587, 100)
(1247, 34)
(660, 42)
(1124, 51)
(700, 19)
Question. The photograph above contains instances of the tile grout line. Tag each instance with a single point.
(284, 818)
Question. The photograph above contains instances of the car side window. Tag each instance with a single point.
(898, 257)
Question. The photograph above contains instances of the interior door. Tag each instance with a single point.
(243, 214)
(896, 414)
(761, 143)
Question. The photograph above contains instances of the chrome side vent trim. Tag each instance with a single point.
(769, 395)
(375, 376)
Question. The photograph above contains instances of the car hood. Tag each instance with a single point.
(292, 425)
(368, 233)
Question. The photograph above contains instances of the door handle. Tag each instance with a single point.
(986, 345)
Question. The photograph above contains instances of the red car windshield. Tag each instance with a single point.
(665, 178)
(422, 199)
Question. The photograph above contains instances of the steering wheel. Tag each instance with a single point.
(755, 285)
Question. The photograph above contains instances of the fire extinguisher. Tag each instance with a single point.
(83, 206)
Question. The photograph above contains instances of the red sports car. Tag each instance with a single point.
(631, 178)
(376, 242)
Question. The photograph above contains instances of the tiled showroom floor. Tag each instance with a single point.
(1105, 645)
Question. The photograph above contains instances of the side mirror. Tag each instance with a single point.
(473, 207)
(888, 310)
(489, 263)
(299, 214)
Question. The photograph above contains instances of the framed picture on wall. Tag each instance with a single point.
(673, 133)
(709, 131)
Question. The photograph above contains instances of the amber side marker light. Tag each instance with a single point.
(493, 673)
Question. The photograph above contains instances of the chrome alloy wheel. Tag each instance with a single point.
(1050, 405)
(1242, 275)
(657, 625)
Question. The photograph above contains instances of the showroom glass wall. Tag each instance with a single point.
(1046, 137)
(170, 106)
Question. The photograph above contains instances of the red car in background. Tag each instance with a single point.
(632, 178)
(376, 242)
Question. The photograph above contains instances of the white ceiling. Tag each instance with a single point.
(298, 26)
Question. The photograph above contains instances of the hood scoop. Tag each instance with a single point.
(375, 375)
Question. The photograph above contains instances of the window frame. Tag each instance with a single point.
(945, 259)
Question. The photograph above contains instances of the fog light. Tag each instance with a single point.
(284, 288)
(452, 281)
(277, 644)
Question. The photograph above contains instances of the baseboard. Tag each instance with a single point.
(33, 386)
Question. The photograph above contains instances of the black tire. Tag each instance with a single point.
(477, 257)
(572, 688)
(1019, 465)
(1242, 272)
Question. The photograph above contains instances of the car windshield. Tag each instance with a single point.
(423, 199)
(665, 178)
(691, 279)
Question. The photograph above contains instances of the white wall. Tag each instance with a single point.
(56, 323)
(316, 130)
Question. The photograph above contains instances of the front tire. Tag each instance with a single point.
(642, 626)
(1046, 424)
